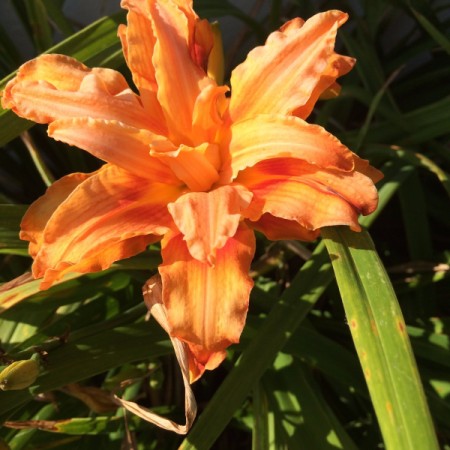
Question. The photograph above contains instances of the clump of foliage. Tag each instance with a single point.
(295, 380)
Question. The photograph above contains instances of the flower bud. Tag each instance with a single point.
(19, 375)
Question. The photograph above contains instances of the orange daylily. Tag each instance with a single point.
(190, 165)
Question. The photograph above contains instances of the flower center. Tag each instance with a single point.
(197, 166)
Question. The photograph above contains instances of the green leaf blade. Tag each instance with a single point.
(380, 337)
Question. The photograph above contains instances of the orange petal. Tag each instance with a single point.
(111, 215)
(363, 166)
(354, 187)
(206, 305)
(65, 74)
(289, 27)
(200, 360)
(176, 71)
(310, 204)
(265, 137)
(116, 143)
(98, 258)
(195, 166)
(138, 42)
(38, 214)
(209, 109)
(281, 76)
(276, 229)
(208, 219)
(201, 43)
(41, 95)
(326, 86)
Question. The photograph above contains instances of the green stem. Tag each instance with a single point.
(41, 167)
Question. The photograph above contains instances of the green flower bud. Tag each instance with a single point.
(19, 375)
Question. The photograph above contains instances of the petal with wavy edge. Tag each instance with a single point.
(116, 143)
(208, 219)
(200, 360)
(91, 228)
(355, 187)
(266, 136)
(310, 204)
(39, 213)
(143, 6)
(326, 87)
(65, 74)
(140, 6)
(71, 91)
(175, 70)
(99, 257)
(41, 102)
(206, 305)
(280, 76)
(137, 43)
(276, 229)
(363, 166)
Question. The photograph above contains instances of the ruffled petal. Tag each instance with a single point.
(267, 136)
(55, 87)
(326, 87)
(310, 204)
(207, 305)
(110, 216)
(276, 229)
(281, 76)
(99, 257)
(208, 219)
(65, 74)
(138, 42)
(38, 214)
(112, 141)
(363, 166)
(179, 77)
(355, 187)
(201, 360)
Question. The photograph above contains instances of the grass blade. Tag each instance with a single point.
(437, 36)
(305, 419)
(10, 217)
(40, 27)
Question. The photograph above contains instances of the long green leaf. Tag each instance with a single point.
(10, 217)
(55, 12)
(440, 38)
(306, 419)
(39, 23)
(381, 340)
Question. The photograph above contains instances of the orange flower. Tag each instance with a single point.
(190, 165)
